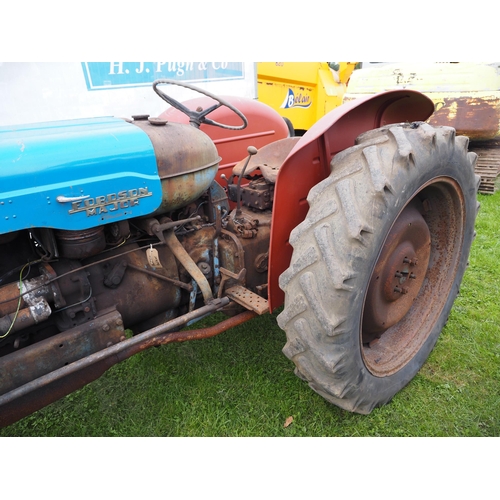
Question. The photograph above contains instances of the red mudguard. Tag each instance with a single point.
(308, 163)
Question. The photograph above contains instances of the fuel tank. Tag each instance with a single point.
(187, 160)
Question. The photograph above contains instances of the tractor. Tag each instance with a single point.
(118, 234)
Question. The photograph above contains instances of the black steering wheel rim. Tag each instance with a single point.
(196, 118)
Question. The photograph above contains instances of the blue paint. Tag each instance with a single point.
(107, 162)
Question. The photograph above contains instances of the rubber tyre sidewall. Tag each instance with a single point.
(350, 384)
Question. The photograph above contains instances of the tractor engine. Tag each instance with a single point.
(126, 227)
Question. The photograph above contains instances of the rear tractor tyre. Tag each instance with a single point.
(378, 261)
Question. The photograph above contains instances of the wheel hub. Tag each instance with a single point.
(399, 273)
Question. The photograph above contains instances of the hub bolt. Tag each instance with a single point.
(413, 262)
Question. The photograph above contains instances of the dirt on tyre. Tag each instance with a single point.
(378, 262)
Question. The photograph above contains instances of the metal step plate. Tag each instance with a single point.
(248, 299)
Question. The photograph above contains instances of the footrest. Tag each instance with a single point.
(248, 299)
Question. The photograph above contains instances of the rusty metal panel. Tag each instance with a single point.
(466, 96)
(29, 364)
(476, 115)
(19, 368)
(268, 159)
(187, 161)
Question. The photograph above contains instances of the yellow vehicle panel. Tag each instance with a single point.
(466, 95)
(302, 91)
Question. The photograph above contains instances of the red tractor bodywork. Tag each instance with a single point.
(308, 162)
(264, 126)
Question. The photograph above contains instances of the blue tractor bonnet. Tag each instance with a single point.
(77, 173)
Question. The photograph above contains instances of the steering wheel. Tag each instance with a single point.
(196, 118)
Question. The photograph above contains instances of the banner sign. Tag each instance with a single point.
(112, 75)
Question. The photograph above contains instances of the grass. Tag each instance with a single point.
(240, 384)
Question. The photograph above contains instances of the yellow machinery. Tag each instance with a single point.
(302, 92)
(466, 97)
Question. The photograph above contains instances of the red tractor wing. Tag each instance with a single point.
(309, 163)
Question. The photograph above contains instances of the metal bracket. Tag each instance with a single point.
(226, 275)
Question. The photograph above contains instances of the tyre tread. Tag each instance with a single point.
(319, 341)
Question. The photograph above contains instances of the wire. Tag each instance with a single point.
(18, 302)
(76, 303)
(19, 267)
(56, 278)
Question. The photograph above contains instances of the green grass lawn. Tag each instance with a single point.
(240, 384)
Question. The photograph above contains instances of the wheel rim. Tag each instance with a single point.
(421, 253)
